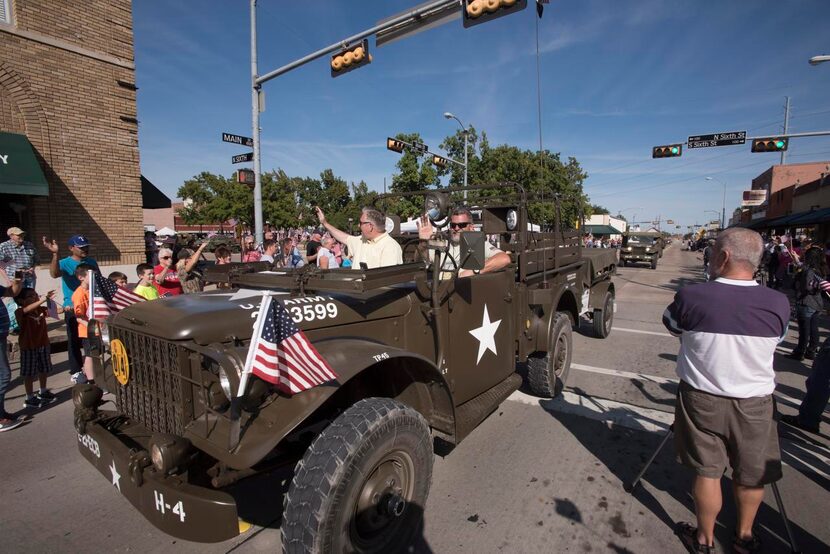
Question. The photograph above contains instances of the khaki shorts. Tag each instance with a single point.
(713, 431)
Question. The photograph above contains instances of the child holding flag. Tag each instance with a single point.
(35, 353)
(80, 301)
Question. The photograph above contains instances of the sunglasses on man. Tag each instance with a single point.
(461, 225)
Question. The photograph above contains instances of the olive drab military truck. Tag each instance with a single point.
(418, 356)
(641, 247)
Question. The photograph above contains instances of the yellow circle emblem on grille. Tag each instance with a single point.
(120, 362)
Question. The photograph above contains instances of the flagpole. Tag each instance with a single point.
(264, 306)
(90, 310)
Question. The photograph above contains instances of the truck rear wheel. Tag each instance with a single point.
(362, 484)
(604, 317)
(546, 374)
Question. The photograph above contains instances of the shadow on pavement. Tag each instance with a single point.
(624, 451)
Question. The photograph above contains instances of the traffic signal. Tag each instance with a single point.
(395, 145)
(770, 144)
(439, 161)
(480, 11)
(246, 177)
(350, 58)
(669, 151)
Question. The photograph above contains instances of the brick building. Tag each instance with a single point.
(780, 182)
(67, 88)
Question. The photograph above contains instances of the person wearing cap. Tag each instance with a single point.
(19, 255)
(65, 270)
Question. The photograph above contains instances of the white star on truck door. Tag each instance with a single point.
(486, 335)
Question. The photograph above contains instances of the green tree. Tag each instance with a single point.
(335, 198)
(414, 173)
(279, 199)
(596, 209)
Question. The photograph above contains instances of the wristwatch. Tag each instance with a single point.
(476, 271)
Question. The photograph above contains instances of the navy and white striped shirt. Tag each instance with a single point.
(728, 332)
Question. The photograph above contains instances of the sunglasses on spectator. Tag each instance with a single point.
(462, 225)
(165, 257)
(363, 222)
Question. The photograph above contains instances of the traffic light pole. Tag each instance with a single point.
(413, 16)
(255, 90)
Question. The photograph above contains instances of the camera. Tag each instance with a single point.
(18, 274)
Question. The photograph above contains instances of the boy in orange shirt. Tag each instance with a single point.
(80, 300)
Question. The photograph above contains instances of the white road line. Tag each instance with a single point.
(646, 419)
(626, 330)
(661, 380)
(625, 374)
(599, 409)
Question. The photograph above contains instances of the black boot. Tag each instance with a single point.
(811, 353)
(796, 355)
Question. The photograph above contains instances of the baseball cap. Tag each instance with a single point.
(15, 231)
(79, 241)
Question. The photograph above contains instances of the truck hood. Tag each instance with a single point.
(222, 316)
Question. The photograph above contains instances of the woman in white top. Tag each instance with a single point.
(325, 257)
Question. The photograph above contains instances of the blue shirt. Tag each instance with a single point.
(4, 314)
(68, 280)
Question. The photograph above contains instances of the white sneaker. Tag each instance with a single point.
(78, 378)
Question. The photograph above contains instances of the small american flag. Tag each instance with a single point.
(282, 355)
(106, 298)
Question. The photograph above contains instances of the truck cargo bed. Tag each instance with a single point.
(601, 262)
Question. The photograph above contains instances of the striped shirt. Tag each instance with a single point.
(16, 257)
(728, 332)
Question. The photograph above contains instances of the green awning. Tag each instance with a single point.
(20, 172)
(602, 230)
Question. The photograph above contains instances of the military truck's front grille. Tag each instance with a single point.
(153, 394)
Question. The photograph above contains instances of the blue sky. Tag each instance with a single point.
(618, 77)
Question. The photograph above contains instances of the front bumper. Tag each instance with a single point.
(637, 257)
(176, 507)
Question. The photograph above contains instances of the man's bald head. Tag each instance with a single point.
(745, 248)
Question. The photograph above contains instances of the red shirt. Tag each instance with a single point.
(171, 286)
(33, 330)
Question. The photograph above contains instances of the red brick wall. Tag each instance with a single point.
(78, 117)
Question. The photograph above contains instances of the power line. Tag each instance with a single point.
(684, 179)
(667, 168)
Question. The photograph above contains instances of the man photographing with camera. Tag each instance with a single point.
(728, 328)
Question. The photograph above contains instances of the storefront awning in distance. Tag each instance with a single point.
(20, 172)
(602, 230)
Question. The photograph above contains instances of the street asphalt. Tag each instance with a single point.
(538, 475)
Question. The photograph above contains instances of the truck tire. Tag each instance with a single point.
(362, 484)
(546, 373)
(654, 263)
(604, 317)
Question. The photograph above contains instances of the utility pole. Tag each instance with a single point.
(786, 127)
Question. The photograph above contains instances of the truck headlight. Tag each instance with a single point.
(169, 453)
(648, 250)
(628, 249)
